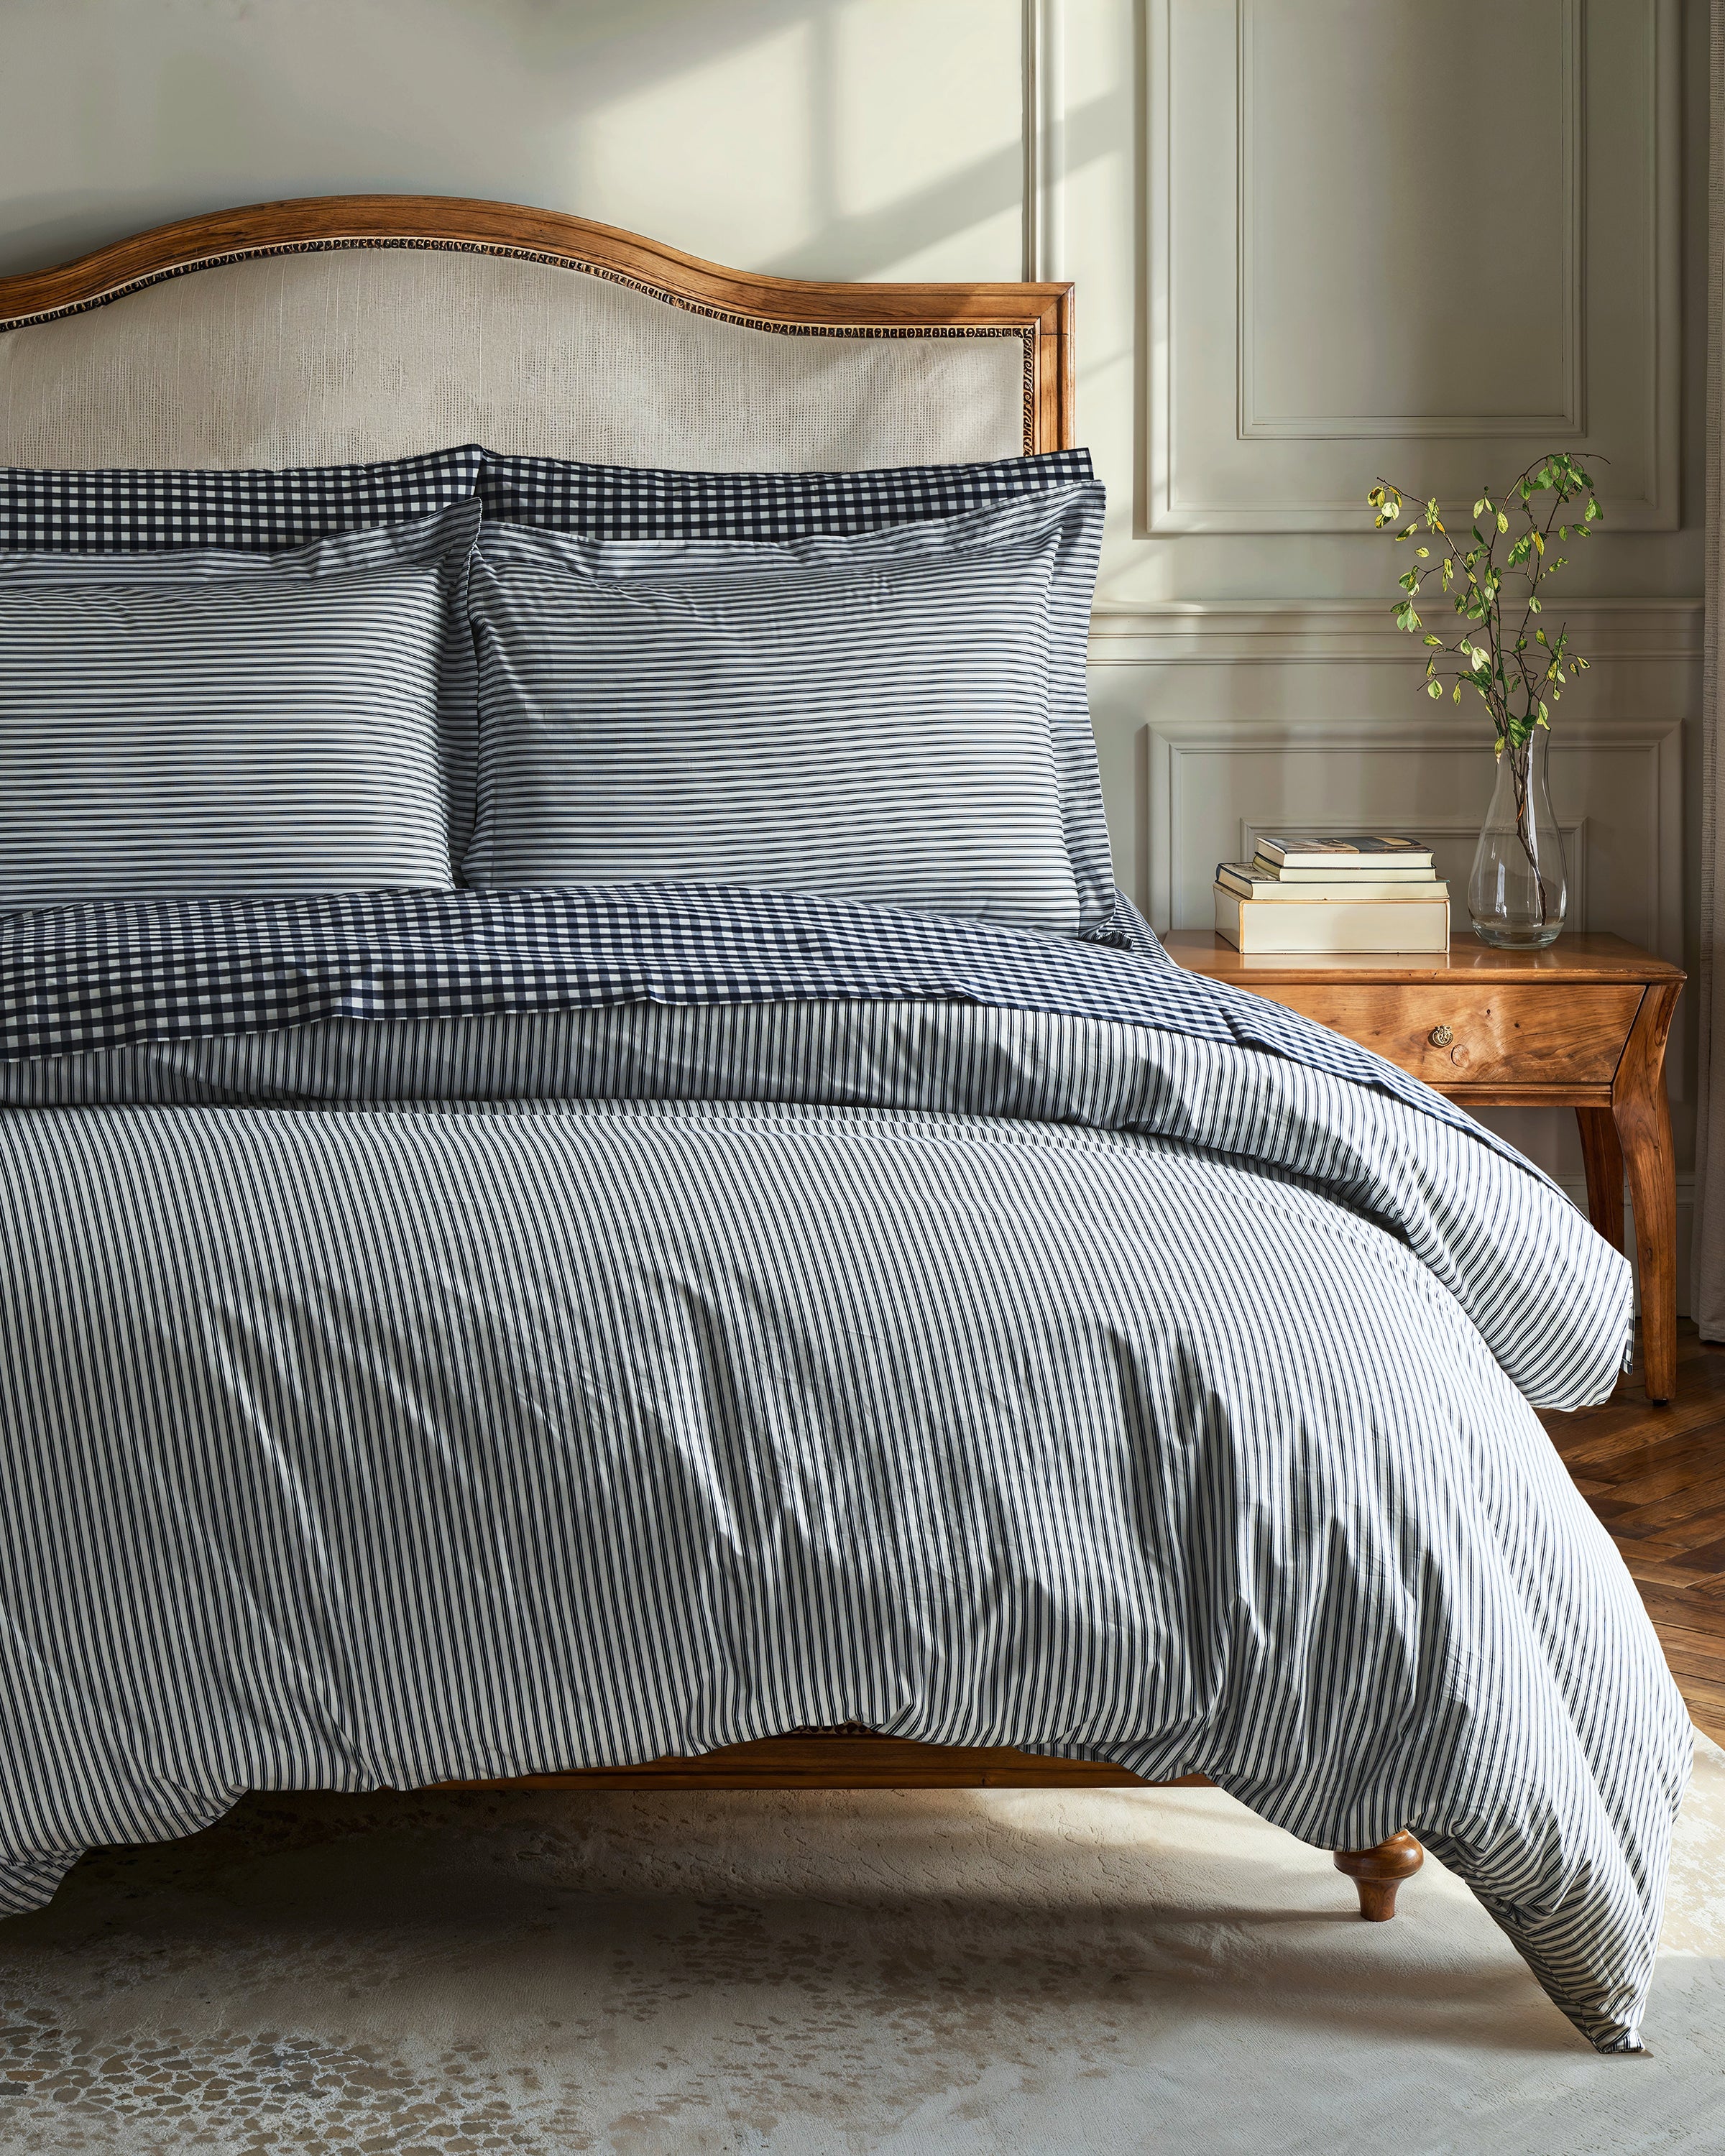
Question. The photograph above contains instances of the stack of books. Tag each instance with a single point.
(1305, 894)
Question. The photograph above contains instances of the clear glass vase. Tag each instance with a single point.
(1516, 894)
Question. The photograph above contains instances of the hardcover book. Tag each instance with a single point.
(1253, 879)
(1322, 926)
(1361, 852)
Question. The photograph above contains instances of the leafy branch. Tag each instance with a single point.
(1519, 679)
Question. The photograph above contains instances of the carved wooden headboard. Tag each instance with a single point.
(348, 328)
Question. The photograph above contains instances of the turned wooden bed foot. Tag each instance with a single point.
(1377, 1872)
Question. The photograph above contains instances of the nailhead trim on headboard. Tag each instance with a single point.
(448, 243)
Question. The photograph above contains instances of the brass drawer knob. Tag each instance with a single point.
(1442, 1036)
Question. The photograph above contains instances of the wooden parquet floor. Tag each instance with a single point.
(1655, 1476)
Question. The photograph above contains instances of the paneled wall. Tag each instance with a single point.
(1422, 240)
(1314, 241)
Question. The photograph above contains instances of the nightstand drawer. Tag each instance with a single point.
(1513, 1033)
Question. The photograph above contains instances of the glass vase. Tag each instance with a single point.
(1516, 894)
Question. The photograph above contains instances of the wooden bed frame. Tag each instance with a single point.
(1041, 313)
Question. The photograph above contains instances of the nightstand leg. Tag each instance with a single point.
(1643, 1117)
(1602, 1157)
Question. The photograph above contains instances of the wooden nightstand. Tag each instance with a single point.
(1582, 1025)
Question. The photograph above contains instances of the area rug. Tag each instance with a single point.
(953, 1971)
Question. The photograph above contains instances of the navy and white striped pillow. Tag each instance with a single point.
(222, 723)
(614, 502)
(258, 512)
(863, 716)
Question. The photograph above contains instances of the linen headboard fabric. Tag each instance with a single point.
(347, 328)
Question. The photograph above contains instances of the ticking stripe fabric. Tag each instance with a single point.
(259, 512)
(776, 1356)
(222, 738)
(1465, 1207)
(217, 721)
(612, 501)
(865, 717)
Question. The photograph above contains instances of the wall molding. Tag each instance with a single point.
(1660, 305)
(1044, 139)
(1569, 419)
(1360, 632)
(1175, 747)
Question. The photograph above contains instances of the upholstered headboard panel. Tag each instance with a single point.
(356, 328)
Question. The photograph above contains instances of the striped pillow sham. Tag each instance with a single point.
(612, 501)
(220, 724)
(863, 717)
(259, 512)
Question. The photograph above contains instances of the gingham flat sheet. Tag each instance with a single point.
(450, 1336)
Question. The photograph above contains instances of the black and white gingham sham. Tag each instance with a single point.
(258, 512)
(863, 716)
(621, 501)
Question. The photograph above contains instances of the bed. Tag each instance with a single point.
(474, 1325)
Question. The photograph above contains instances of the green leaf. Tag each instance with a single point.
(1458, 692)
(1433, 688)
(1502, 522)
(1533, 606)
(1479, 507)
(1438, 640)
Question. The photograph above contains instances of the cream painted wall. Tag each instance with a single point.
(832, 138)
(1262, 204)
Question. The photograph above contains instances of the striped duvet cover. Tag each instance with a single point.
(458, 1335)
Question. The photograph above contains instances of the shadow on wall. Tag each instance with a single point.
(832, 138)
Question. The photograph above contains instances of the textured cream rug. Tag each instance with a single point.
(942, 1971)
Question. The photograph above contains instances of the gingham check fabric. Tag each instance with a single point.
(116, 512)
(615, 502)
(105, 975)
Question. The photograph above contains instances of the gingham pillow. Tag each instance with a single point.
(615, 502)
(256, 512)
(619, 501)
